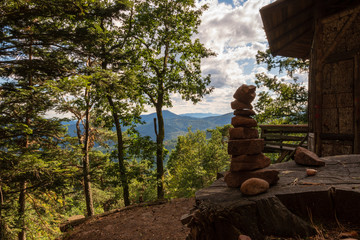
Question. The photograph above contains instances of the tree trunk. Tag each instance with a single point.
(21, 212)
(160, 153)
(86, 162)
(120, 148)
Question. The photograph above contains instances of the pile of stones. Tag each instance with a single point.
(247, 162)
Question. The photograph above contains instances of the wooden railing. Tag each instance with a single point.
(284, 139)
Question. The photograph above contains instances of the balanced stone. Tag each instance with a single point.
(240, 105)
(239, 121)
(254, 186)
(242, 133)
(245, 93)
(235, 179)
(245, 146)
(249, 162)
(304, 156)
(244, 112)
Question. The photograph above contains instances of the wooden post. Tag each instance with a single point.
(356, 148)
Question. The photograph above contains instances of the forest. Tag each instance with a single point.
(101, 62)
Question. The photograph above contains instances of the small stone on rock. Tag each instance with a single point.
(304, 156)
(245, 93)
(254, 186)
(244, 237)
(311, 172)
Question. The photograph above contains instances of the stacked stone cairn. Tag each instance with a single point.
(248, 163)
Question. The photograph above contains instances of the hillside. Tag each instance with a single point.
(175, 125)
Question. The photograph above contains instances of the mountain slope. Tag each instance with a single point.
(175, 125)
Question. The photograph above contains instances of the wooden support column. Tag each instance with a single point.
(356, 104)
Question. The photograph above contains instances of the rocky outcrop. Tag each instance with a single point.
(286, 209)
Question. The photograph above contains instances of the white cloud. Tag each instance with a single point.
(235, 32)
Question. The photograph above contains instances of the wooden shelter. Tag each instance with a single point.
(326, 32)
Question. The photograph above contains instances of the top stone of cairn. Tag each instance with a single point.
(245, 93)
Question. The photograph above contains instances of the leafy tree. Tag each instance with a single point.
(196, 160)
(103, 37)
(171, 59)
(284, 101)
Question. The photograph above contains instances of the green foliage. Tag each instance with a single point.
(196, 160)
(170, 59)
(96, 60)
(284, 101)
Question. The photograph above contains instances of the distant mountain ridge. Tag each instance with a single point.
(175, 125)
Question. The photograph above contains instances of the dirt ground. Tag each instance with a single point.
(162, 221)
(157, 222)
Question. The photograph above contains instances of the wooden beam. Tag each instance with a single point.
(288, 38)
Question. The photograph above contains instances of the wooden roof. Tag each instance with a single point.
(289, 24)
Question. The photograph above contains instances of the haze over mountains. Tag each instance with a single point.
(176, 125)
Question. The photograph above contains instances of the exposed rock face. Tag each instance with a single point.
(244, 145)
(304, 156)
(254, 186)
(286, 209)
(249, 162)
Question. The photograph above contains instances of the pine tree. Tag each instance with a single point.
(30, 55)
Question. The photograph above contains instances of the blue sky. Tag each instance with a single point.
(234, 30)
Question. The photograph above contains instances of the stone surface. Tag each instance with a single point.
(243, 133)
(244, 112)
(249, 162)
(235, 179)
(254, 186)
(284, 210)
(244, 237)
(240, 121)
(304, 156)
(246, 146)
(245, 93)
(240, 105)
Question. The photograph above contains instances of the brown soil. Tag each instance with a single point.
(160, 221)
